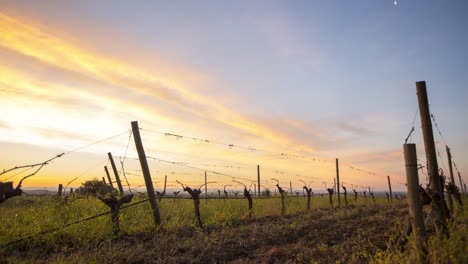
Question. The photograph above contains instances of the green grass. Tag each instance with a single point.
(24, 216)
(453, 249)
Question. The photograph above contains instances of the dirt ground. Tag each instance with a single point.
(345, 235)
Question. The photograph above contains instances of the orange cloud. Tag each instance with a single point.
(34, 42)
(123, 87)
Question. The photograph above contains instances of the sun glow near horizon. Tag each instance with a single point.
(250, 84)
(54, 114)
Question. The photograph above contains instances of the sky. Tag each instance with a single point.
(291, 85)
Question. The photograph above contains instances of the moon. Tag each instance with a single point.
(395, 2)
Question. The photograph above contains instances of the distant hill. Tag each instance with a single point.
(40, 192)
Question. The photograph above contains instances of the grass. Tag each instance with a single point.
(359, 233)
(24, 216)
(453, 249)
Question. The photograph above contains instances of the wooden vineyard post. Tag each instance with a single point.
(334, 186)
(165, 182)
(438, 206)
(390, 188)
(109, 177)
(255, 189)
(462, 186)
(71, 191)
(146, 173)
(414, 203)
(451, 187)
(258, 180)
(104, 180)
(449, 159)
(290, 188)
(116, 173)
(59, 193)
(452, 190)
(206, 190)
(338, 182)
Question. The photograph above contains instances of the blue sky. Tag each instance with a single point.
(336, 76)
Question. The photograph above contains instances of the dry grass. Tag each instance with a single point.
(360, 233)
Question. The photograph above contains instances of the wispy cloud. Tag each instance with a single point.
(353, 129)
(23, 38)
(66, 95)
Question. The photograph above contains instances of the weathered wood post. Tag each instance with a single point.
(146, 173)
(104, 180)
(109, 177)
(116, 173)
(414, 203)
(255, 189)
(258, 179)
(59, 193)
(462, 186)
(390, 188)
(452, 190)
(334, 186)
(436, 188)
(449, 159)
(451, 187)
(290, 188)
(338, 182)
(71, 191)
(125, 176)
(206, 190)
(165, 184)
